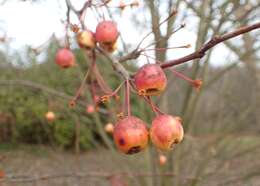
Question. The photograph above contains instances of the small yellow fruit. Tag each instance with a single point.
(86, 40)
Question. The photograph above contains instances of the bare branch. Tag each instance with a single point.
(210, 44)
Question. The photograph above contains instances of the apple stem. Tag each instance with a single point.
(101, 82)
(127, 97)
(105, 98)
(152, 105)
(80, 89)
(155, 109)
(196, 83)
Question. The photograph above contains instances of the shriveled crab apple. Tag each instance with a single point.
(166, 131)
(130, 135)
(86, 40)
(106, 33)
(150, 80)
(65, 58)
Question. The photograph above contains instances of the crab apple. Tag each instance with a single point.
(162, 159)
(65, 58)
(86, 39)
(109, 128)
(2, 174)
(130, 135)
(96, 98)
(166, 131)
(150, 80)
(90, 109)
(106, 33)
(50, 116)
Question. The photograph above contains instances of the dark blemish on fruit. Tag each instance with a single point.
(107, 43)
(152, 90)
(134, 150)
(172, 145)
(87, 48)
(66, 66)
(154, 75)
(121, 141)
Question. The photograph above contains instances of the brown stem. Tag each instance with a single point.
(127, 98)
(79, 91)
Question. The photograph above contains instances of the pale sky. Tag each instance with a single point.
(33, 23)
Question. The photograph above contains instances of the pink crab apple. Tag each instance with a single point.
(130, 135)
(162, 159)
(166, 131)
(65, 58)
(150, 80)
(90, 109)
(107, 34)
(86, 39)
(50, 116)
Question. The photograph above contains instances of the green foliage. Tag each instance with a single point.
(28, 104)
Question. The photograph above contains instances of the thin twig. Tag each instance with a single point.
(210, 44)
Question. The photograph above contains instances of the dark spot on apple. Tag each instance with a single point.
(108, 44)
(152, 90)
(121, 141)
(134, 150)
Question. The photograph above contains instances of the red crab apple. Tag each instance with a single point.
(150, 80)
(50, 116)
(130, 135)
(166, 131)
(106, 33)
(65, 58)
(86, 40)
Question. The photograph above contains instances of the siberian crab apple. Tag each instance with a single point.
(109, 128)
(166, 131)
(130, 135)
(162, 159)
(86, 39)
(106, 34)
(90, 109)
(50, 116)
(65, 58)
(150, 80)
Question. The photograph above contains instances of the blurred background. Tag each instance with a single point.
(221, 121)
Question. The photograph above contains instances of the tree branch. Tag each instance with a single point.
(210, 44)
